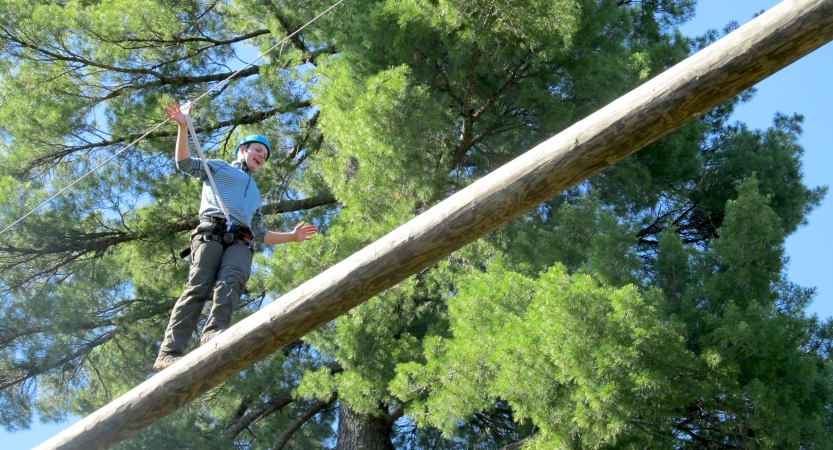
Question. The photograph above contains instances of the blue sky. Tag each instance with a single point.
(804, 88)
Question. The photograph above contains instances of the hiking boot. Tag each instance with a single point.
(209, 335)
(164, 360)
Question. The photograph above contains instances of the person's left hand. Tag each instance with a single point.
(304, 233)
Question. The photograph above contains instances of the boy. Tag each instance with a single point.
(221, 259)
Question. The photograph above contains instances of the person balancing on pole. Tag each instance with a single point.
(221, 246)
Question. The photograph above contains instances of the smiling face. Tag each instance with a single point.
(253, 155)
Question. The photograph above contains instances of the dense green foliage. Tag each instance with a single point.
(646, 307)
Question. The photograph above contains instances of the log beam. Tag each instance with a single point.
(760, 48)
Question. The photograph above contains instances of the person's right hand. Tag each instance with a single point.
(303, 233)
(173, 112)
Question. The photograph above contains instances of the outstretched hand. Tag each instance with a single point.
(177, 114)
(304, 233)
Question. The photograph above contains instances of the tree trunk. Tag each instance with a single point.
(362, 431)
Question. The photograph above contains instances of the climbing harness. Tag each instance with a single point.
(130, 145)
(224, 234)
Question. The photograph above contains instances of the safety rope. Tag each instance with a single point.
(193, 133)
(191, 128)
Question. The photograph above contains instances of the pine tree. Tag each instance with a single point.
(646, 307)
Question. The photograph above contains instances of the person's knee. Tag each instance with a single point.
(237, 271)
(197, 293)
(235, 277)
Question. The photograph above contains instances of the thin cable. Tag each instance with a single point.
(221, 83)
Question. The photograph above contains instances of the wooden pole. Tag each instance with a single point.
(760, 48)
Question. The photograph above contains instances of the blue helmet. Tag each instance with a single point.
(254, 138)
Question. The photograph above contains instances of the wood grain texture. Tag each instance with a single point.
(749, 54)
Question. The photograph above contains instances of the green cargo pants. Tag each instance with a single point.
(216, 273)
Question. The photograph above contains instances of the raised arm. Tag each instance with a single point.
(173, 112)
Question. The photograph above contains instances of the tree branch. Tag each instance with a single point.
(23, 372)
(257, 117)
(179, 81)
(313, 121)
(296, 425)
(70, 246)
(275, 404)
(137, 314)
(287, 27)
(299, 205)
(464, 140)
(515, 445)
(169, 43)
(73, 58)
(53, 56)
(470, 117)
(515, 75)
